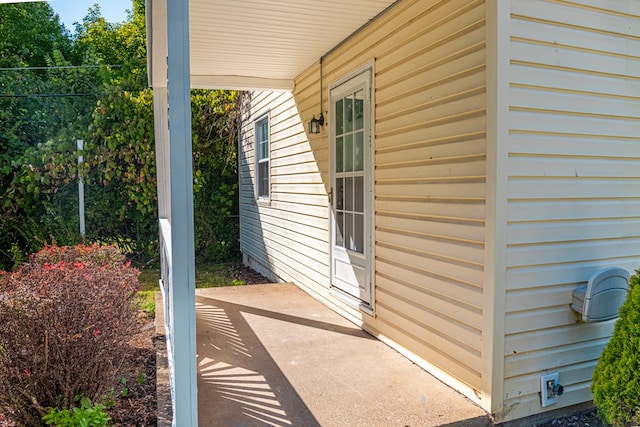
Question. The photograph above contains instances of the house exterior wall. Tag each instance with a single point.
(285, 238)
(573, 187)
(568, 156)
(429, 191)
(430, 184)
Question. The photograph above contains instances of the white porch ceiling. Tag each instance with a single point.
(265, 44)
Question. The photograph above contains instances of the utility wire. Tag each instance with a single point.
(48, 95)
(57, 67)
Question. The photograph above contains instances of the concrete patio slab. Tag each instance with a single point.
(270, 355)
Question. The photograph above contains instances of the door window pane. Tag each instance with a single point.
(339, 229)
(348, 231)
(358, 194)
(358, 112)
(358, 233)
(339, 117)
(348, 153)
(339, 154)
(348, 194)
(340, 193)
(348, 114)
(358, 151)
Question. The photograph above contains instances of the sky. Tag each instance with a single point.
(71, 11)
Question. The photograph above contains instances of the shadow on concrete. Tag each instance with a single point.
(270, 355)
(239, 384)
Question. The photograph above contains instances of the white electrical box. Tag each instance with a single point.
(550, 389)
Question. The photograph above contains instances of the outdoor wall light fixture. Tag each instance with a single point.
(316, 124)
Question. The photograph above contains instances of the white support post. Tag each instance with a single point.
(80, 144)
(182, 297)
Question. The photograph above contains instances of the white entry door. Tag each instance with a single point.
(351, 201)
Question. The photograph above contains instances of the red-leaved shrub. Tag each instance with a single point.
(66, 318)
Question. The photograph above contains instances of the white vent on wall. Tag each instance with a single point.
(601, 298)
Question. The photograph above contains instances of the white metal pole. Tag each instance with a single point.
(81, 187)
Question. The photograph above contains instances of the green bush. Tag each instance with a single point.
(616, 379)
(89, 414)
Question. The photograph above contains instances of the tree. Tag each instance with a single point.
(99, 87)
(100, 83)
(119, 47)
(31, 33)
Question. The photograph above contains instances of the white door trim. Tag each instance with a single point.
(361, 77)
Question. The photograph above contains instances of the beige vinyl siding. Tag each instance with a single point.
(573, 184)
(430, 183)
(429, 136)
(288, 233)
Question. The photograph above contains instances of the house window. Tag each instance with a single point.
(262, 157)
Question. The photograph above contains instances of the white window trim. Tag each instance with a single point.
(264, 199)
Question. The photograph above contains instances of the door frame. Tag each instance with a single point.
(369, 220)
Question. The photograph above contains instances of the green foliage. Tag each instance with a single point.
(30, 31)
(120, 170)
(141, 378)
(616, 383)
(31, 36)
(215, 175)
(101, 97)
(39, 195)
(41, 114)
(17, 256)
(89, 414)
(124, 390)
(634, 280)
(116, 44)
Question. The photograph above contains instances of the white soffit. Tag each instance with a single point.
(265, 44)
